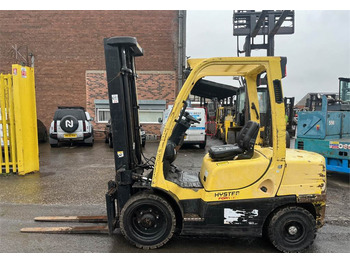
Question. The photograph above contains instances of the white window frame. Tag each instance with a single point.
(150, 111)
(98, 115)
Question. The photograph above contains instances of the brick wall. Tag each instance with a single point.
(151, 85)
(67, 43)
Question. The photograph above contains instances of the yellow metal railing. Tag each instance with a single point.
(7, 128)
(18, 122)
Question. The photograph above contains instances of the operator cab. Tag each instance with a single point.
(226, 156)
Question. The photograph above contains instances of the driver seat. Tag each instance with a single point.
(243, 149)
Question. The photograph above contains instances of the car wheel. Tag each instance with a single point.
(202, 145)
(292, 229)
(54, 145)
(143, 143)
(147, 221)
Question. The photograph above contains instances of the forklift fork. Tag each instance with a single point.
(111, 220)
(69, 229)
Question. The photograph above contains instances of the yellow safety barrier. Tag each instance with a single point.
(18, 122)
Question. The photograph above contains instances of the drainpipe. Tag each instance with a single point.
(181, 49)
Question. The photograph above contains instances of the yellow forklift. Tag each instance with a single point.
(220, 120)
(226, 126)
(245, 189)
(231, 129)
(241, 190)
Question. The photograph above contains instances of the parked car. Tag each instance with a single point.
(108, 135)
(71, 124)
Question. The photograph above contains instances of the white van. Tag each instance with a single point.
(196, 134)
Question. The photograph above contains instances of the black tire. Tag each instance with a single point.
(90, 144)
(147, 221)
(202, 145)
(231, 137)
(292, 229)
(110, 142)
(143, 143)
(69, 123)
(54, 145)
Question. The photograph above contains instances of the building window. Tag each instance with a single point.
(102, 115)
(149, 111)
(150, 116)
(194, 98)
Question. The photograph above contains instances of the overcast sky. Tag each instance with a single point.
(318, 52)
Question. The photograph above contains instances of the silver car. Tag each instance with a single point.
(71, 124)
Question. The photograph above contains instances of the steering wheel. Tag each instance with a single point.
(190, 118)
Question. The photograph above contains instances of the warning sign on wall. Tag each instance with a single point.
(24, 72)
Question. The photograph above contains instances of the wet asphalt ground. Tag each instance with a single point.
(73, 181)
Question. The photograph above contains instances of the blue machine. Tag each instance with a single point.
(328, 132)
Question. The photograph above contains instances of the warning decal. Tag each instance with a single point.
(115, 99)
(337, 145)
(240, 217)
(24, 72)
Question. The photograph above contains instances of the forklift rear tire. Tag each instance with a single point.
(292, 229)
(147, 221)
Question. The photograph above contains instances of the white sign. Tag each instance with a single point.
(115, 99)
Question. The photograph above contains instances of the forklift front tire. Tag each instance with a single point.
(147, 221)
(292, 229)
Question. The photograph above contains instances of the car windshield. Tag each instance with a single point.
(77, 113)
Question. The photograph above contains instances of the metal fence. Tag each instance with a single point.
(211, 128)
(18, 122)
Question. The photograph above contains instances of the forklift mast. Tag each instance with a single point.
(120, 67)
(120, 53)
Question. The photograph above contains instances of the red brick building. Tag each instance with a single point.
(155, 91)
(69, 57)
